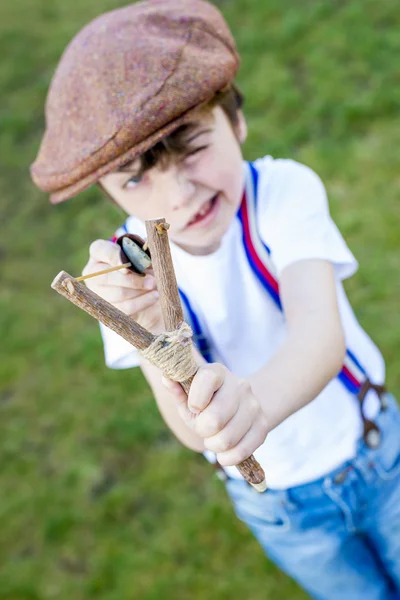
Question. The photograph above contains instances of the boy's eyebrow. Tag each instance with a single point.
(197, 133)
(135, 164)
(129, 166)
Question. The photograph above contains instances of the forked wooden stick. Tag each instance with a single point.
(103, 311)
(171, 307)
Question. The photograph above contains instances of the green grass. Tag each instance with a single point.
(98, 499)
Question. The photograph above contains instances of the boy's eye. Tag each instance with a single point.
(196, 150)
(133, 181)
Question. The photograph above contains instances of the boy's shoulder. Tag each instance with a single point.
(288, 170)
(292, 216)
(286, 185)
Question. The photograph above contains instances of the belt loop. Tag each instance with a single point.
(371, 434)
(287, 500)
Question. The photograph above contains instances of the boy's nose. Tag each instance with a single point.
(176, 188)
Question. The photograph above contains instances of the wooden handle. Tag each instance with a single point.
(172, 312)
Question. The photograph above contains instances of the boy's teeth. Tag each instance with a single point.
(202, 211)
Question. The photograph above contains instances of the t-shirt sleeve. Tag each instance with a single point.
(294, 219)
(118, 353)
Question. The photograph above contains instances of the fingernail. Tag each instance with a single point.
(149, 283)
(194, 410)
(156, 295)
(167, 382)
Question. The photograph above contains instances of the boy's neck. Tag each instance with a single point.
(199, 251)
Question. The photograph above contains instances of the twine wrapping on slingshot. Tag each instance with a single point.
(171, 352)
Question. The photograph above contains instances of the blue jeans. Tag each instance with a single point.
(339, 536)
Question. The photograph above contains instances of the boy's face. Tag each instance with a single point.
(198, 193)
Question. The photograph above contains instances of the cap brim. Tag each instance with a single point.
(74, 189)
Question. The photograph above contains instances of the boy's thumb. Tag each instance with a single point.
(180, 397)
(174, 387)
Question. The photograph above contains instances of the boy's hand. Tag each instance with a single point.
(222, 409)
(135, 295)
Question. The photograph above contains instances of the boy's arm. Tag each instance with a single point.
(231, 416)
(168, 407)
(313, 351)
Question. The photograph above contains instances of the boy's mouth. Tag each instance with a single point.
(206, 212)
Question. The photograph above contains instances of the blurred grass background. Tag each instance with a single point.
(98, 499)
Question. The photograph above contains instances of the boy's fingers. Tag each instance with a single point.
(206, 382)
(97, 267)
(246, 446)
(129, 280)
(138, 304)
(104, 251)
(122, 278)
(117, 294)
(180, 398)
(123, 275)
(174, 387)
(215, 417)
(232, 433)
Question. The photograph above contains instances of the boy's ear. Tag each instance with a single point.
(241, 127)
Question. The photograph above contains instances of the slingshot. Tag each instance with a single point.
(170, 351)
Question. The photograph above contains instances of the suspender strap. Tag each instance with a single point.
(123, 229)
(198, 337)
(258, 253)
(352, 375)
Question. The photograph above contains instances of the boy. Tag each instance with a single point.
(143, 103)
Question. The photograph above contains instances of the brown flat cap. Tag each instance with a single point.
(126, 80)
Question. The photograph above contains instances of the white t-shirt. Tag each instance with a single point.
(245, 327)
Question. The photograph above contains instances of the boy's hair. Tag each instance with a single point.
(176, 143)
